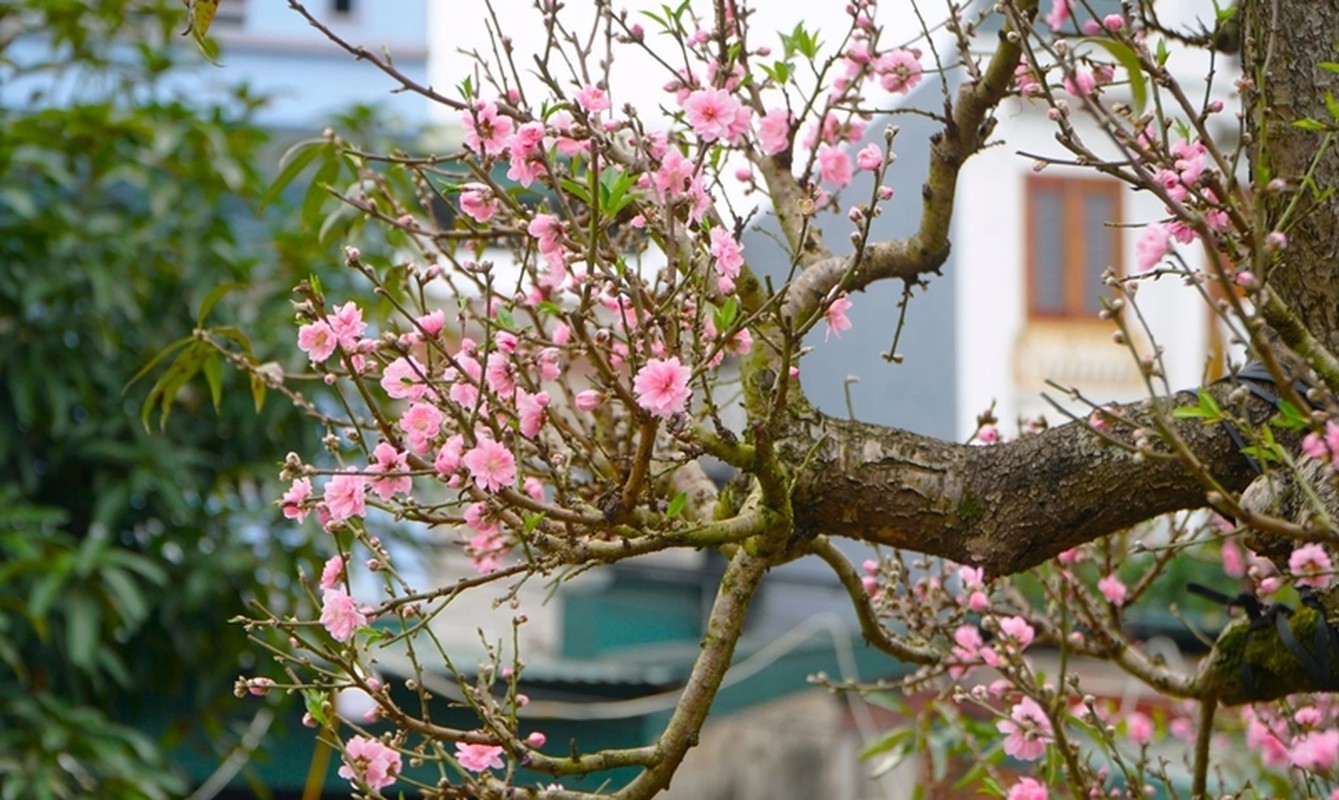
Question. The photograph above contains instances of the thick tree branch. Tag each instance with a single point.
(1006, 507)
(969, 126)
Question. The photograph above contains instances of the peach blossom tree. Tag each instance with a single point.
(567, 324)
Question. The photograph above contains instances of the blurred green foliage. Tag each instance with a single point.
(124, 551)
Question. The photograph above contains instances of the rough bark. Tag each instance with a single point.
(1006, 507)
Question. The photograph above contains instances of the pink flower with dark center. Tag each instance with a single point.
(371, 762)
(1113, 589)
(714, 115)
(345, 496)
(317, 340)
(486, 133)
(899, 71)
(340, 615)
(1310, 564)
(491, 464)
(1026, 732)
(662, 387)
(835, 314)
(293, 502)
(479, 757)
(774, 131)
(1028, 789)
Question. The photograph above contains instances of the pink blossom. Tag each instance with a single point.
(593, 99)
(1139, 727)
(1311, 565)
(347, 324)
(834, 165)
(899, 70)
(500, 374)
(464, 391)
(432, 323)
(1026, 732)
(421, 423)
(1152, 246)
(774, 131)
(536, 739)
(1059, 14)
(1028, 789)
(479, 757)
(371, 762)
(1018, 631)
(716, 115)
(729, 254)
(293, 502)
(403, 379)
(1316, 750)
(966, 649)
(1234, 565)
(1112, 589)
(1082, 84)
(340, 614)
(1113, 22)
(345, 496)
(589, 400)
(478, 202)
(835, 314)
(389, 460)
(530, 408)
(317, 340)
(870, 157)
(449, 456)
(662, 386)
(332, 571)
(491, 464)
(486, 133)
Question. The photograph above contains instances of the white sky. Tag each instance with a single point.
(635, 77)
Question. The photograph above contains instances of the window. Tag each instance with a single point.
(1071, 240)
(343, 7)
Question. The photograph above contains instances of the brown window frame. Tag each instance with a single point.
(1072, 191)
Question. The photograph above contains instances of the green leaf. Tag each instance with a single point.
(294, 160)
(317, 192)
(258, 392)
(153, 362)
(1127, 58)
(317, 704)
(1308, 124)
(532, 520)
(1289, 417)
(1329, 66)
(676, 505)
(213, 372)
(83, 620)
(725, 316)
(1331, 105)
(1206, 409)
(215, 294)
